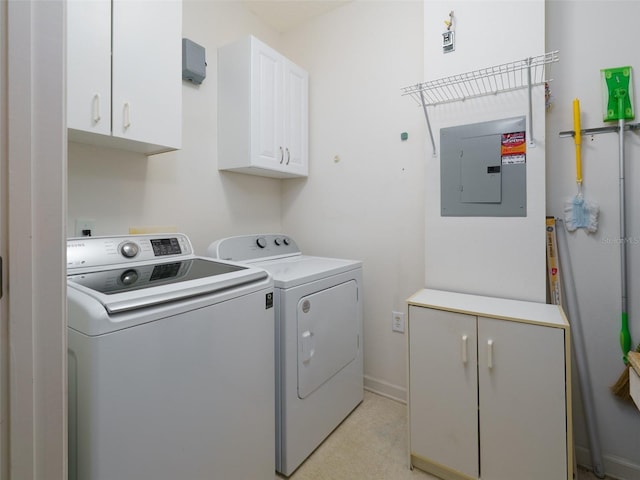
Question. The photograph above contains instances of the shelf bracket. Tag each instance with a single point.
(426, 116)
(530, 139)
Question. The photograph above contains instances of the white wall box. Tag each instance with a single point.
(489, 388)
(263, 112)
(124, 77)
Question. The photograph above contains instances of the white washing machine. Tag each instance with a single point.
(318, 336)
(170, 362)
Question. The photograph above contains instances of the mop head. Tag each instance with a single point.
(581, 213)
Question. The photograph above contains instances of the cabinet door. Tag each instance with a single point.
(147, 85)
(443, 400)
(89, 65)
(521, 378)
(296, 119)
(267, 123)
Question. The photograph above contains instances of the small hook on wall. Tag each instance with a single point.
(449, 23)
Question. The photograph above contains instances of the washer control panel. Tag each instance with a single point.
(245, 248)
(86, 252)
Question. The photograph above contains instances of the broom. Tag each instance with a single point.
(621, 388)
(578, 212)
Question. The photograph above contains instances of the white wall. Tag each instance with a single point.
(497, 256)
(578, 29)
(369, 204)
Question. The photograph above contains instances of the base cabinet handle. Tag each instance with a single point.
(465, 341)
(490, 354)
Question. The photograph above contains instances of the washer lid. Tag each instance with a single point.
(300, 269)
(143, 284)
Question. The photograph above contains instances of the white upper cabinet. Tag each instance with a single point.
(124, 86)
(263, 119)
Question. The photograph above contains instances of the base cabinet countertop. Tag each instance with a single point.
(489, 388)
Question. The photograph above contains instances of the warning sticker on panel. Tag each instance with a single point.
(513, 148)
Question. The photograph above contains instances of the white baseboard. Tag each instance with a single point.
(386, 389)
(614, 467)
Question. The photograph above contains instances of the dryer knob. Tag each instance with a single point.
(129, 249)
(285, 240)
(261, 241)
(277, 241)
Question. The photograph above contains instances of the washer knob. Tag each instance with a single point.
(261, 242)
(129, 277)
(285, 240)
(277, 241)
(129, 249)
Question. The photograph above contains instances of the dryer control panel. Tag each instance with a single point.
(103, 251)
(245, 248)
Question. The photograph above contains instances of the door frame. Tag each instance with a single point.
(33, 159)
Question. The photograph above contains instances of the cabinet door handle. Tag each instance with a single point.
(96, 108)
(464, 349)
(127, 115)
(281, 155)
(288, 155)
(490, 354)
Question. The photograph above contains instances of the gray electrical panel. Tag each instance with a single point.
(194, 64)
(483, 169)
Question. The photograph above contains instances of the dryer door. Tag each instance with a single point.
(327, 334)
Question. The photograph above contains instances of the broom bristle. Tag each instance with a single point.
(621, 388)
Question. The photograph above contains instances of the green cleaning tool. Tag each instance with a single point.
(618, 87)
(618, 94)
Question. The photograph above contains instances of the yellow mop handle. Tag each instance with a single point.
(578, 139)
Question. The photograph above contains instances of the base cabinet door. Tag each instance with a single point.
(444, 388)
(521, 399)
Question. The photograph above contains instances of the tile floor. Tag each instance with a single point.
(371, 444)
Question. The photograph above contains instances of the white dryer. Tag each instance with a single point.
(170, 361)
(318, 339)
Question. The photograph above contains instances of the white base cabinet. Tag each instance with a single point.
(489, 388)
(263, 117)
(124, 81)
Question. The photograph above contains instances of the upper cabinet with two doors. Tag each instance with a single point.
(124, 82)
(263, 117)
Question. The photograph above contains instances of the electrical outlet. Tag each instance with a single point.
(85, 227)
(397, 322)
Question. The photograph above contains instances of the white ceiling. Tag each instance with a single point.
(284, 15)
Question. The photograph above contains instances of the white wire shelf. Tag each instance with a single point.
(487, 81)
(525, 73)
